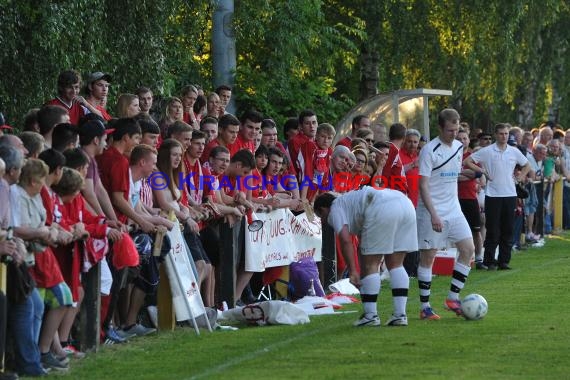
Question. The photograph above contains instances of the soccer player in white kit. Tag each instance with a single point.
(439, 215)
(385, 223)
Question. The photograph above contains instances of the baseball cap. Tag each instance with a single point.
(92, 129)
(98, 75)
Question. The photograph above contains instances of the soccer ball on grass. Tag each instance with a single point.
(474, 307)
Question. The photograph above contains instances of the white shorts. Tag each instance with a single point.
(389, 226)
(106, 278)
(455, 229)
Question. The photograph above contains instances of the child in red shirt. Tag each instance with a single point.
(316, 175)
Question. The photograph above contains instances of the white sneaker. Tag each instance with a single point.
(397, 320)
(124, 334)
(153, 315)
(365, 321)
(140, 330)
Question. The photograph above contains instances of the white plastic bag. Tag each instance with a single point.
(343, 286)
(268, 312)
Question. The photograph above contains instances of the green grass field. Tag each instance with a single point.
(525, 335)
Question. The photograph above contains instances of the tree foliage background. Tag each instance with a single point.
(503, 60)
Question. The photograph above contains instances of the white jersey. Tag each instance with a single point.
(441, 163)
(350, 208)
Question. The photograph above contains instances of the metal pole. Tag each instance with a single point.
(395, 107)
(426, 118)
(224, 47)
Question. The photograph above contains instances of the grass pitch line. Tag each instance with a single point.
(262, 351)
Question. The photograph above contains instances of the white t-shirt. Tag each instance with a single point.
(15, 206)
(500, 165)
(443, 173)
(134, 190)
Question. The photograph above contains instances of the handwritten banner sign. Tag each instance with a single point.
(183, 284)
(284, 238)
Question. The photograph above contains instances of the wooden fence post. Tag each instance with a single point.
(231, 245)
(328, 274)
(91, 309)
(166, 315)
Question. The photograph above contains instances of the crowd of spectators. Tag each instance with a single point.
(77, 183)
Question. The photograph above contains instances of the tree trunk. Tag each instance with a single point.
(369, 74)
(369, 54)
(526, 106)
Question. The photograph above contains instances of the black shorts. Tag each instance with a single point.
(470, 208)
(149, 275)
(195, 246)
(210, 238)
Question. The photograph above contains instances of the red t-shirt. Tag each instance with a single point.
(346, 141)
(104, 113)
(75, 111)
(114, 173)
(393, 171)
(233, 148)
(467, 189)
(228, 185)
(241, 143)
(412, 176)
(207, 149)
(260, 190)
(48, 200)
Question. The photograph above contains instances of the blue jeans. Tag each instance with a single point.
(517, 230)
(24, 322)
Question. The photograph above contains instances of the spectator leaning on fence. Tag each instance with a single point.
(24, 315)
(536, 161)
